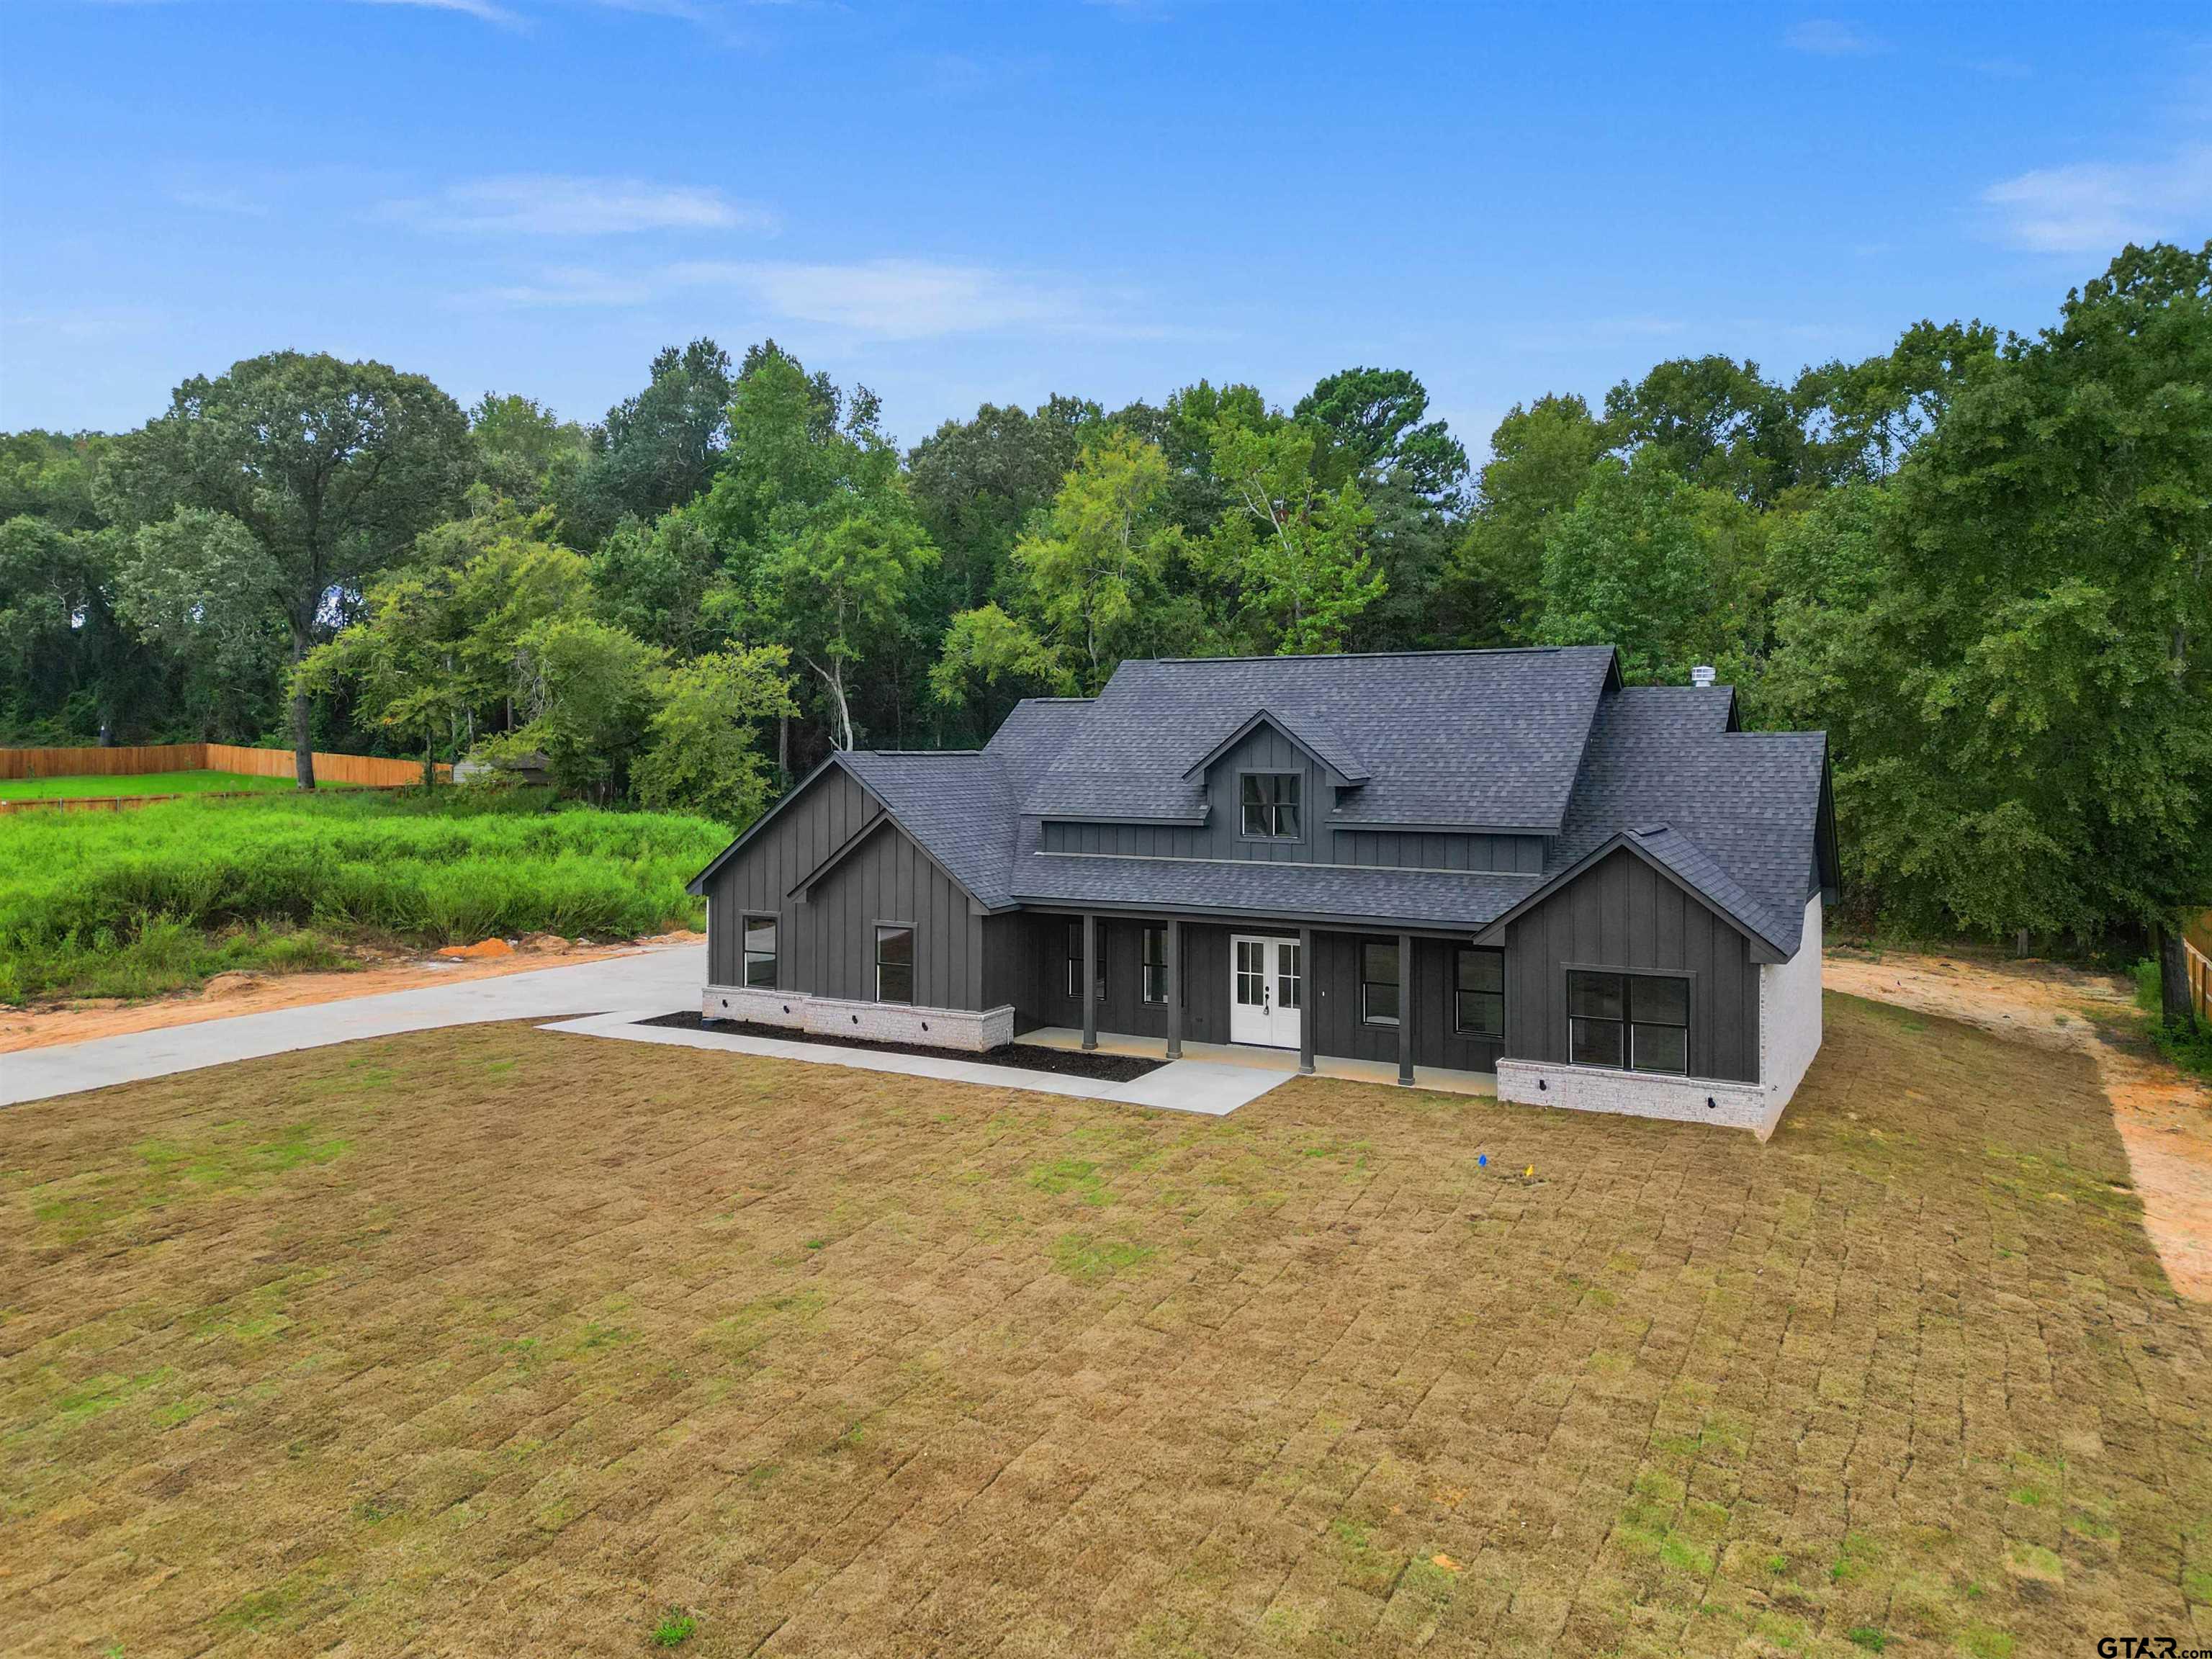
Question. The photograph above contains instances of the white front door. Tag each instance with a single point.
(1266, 991)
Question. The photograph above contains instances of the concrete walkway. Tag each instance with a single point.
(657, 981)
(1440, 1078)
(1186, 1085)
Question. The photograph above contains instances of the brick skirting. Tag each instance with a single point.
(879, 1021)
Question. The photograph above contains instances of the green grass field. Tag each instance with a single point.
(137, 903)
(138, 783)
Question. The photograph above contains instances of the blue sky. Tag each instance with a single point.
(955, 204)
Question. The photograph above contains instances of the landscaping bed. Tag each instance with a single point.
(1029, 1056)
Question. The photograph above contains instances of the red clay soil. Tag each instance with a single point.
(227, 994)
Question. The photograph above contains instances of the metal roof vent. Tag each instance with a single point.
(1703, 677)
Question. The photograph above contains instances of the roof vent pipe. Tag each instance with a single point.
(1702, 676)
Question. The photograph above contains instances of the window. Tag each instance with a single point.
(1640, 1022)
(895, 964)
(760, 952)
(1378, 983)
(1271, 804)
(1479, 993)
(1154, 954)
(1075, 961)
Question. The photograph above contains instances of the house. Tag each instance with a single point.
(1493, 861)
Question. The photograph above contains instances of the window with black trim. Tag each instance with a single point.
(760, 952)
(1637, 1022)
(1478, 992)
(1154, 957)
(1379, 982)
(1075, 961)
(1271, 804)
(895, 964)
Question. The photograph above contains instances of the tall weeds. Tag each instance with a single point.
(130, 902)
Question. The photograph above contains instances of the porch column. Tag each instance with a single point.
(1175, 989)
(1090, 987)
(1405, 1008)
(1305, 1001)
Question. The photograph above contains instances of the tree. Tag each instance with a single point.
(654, 580)
(1646, 562)
(1413, 475)
(273, 492)
(836, 587)
(590, 696)
(984, 650)
(1866, 416)
(1098, 549)
(439, 656)
(976, 483)
(1375, 433)
(2030, 707)
(701, 751)
(524, 452)
(1294, 552)
(657, 450)
(1715, 422)
(1541, 459)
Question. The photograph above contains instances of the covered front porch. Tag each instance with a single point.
(1391, 1005)
(1442, 1078)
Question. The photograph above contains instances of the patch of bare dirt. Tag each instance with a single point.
(228, 994)
(2163, 1116)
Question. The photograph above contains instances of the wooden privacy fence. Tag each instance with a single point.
(2197, 958)
(374, 770)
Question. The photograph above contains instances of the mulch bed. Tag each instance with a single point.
(1029, 1056)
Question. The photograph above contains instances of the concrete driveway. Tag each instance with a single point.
(660, 981)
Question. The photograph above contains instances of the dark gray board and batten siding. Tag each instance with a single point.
(826, 944)
(1332, 991)
(1623, 915)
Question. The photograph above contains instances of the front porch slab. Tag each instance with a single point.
(1439, 1078)
(1200, 1085)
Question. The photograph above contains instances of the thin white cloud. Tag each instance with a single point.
(483, 10)
(1825, 37)
(567, 286)
(2099, 207)
(235, 203)
(879, 299)
(550, 206)
(915, 298)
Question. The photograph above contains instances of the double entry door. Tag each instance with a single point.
(1266, 991)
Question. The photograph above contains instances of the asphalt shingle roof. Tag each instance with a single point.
(1473, 738)
(1731, 814)
(1747, 803)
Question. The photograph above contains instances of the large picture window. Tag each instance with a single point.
(1478, 992)
(760, 952)
(1379, 982)
(894, 964)
(1638, 1022)
(1155, 955)
(1271, 805)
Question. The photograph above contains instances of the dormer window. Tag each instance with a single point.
(1271, 805)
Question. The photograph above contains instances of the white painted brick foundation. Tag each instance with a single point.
(1788, 1037)
(878, 1022)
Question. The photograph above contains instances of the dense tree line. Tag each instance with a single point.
(1978, 561)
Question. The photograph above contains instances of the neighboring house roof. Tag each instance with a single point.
(1424, 740)
(1466, 739)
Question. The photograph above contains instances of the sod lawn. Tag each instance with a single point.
(498, 1341)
